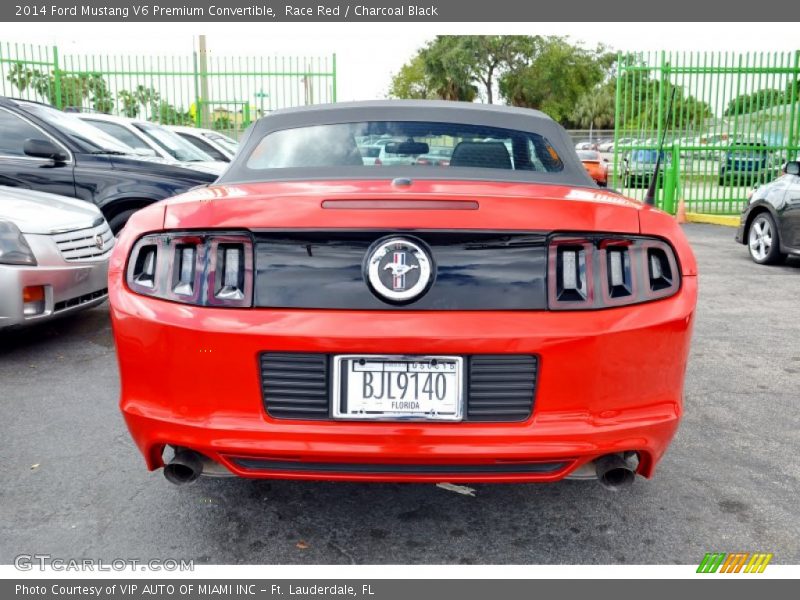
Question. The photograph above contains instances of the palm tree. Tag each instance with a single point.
(594, 109)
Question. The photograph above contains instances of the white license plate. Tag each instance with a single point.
(398, 387)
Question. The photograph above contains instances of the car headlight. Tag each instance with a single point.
(202, 268)
(14, 250)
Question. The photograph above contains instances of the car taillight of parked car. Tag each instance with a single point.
(592, 272)
(205, 269)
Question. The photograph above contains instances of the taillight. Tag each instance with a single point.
(206, 269)
(603, 271)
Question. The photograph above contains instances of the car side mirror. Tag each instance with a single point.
(44, 149)
(792, 168)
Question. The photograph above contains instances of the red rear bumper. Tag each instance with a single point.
(610, 381)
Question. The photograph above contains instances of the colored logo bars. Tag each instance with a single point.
(737, 562)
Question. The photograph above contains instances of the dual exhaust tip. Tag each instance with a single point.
(614, 471)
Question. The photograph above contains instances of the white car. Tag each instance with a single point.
(218, 146)
(153, 139)
(54, 255)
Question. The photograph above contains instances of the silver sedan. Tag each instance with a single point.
(54, 255)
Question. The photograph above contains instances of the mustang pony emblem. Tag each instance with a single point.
(399, 269)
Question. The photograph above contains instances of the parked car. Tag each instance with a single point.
(53, 256)
(162, 142)
(312, 317)
(438, 156)
(622, 143)
(745, 163)
(586, 145)
(218, 146)
(370, 153)
(639, 166)
(606, 146)
(595, 165)
(44, 149)
(770, 222)
(401, 153)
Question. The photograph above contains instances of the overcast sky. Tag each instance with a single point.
(368, 54)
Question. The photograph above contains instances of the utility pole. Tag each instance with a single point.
(204, 108)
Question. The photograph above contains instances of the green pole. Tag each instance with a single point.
(197, 107)
(671, 180)
(617, 114)
(790, 151)
(57, 79)
(333, 92)
(659, 125)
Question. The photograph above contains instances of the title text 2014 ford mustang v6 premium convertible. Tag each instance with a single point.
(496, 319)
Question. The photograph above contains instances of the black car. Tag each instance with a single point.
(770, 224)
(44, 149)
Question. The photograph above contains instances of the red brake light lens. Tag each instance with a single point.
(206, 269)
(602, 271)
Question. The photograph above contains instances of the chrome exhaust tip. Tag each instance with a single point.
(615, 472)
(185, 467)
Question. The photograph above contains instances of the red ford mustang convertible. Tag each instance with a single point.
(497, 318)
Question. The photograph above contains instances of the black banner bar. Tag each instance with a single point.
(393, 589)
(389, 10)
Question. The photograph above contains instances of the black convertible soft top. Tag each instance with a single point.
(433, 111)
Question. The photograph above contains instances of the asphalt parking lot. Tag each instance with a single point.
(74, 486)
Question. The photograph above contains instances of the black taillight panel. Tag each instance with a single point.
(202, 268)
(594, 271)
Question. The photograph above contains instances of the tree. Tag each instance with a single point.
(448, 70)
(75, 89)
(411, 81)
(554, 76)
(594, 108)
(454, 67)
(759, 100)
(492, 55)
(167, 114)
(141, 97)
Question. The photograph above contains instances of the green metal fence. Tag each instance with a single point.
(729, 121)
(220, 92)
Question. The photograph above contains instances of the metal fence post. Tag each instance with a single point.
(791, 151)
(57, 80)
(617, 114)
(671, 180)
(333, 66)
(197, 105)
(660, 124)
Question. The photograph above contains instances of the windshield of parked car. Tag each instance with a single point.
(84, 133)
(648, 156)
(340, 145)
(175, 145)
(755, 151)
(231, 145)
